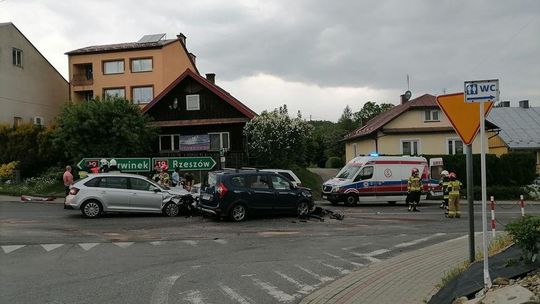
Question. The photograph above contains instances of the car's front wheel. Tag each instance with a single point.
(302, 208)
(171, 210)
(238, 213)
(351, 200)
(91, 209)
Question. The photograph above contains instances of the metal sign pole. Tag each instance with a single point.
(470, 200)
(487, 279)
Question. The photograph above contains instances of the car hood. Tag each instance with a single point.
(178, 191)
(337, 182)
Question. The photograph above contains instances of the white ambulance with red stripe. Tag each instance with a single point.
(375, 179)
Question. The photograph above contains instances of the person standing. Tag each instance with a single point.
(414, 189)
(175, 178)
(444, 184)
(104, 165)
(454, 186)
(68, 179)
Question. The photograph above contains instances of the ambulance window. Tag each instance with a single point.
(366, 173)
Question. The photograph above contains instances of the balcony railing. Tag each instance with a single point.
(82, 79)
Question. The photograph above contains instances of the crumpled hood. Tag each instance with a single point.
(337, 182)
(178, 191)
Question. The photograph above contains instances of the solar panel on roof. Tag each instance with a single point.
(151, 38)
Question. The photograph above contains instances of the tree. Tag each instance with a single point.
(277, 140)
(369, 111)
(112, 127)
(346, 121)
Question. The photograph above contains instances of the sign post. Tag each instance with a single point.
(482, 91)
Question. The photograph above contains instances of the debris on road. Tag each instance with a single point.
(27, 198)
(319, 213)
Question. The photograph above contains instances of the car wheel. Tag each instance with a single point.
(171, 210)
(91, 209)
(333, 202)
(392, 203)
(302, 208)
(238, 213)
(351, 200)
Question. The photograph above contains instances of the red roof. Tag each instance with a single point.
(424, 101)
(212, 87)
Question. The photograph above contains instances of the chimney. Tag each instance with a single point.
(524, 104)
(193, 57)
(504, 104)
(211, 77)
(403, 98)
(182, 38)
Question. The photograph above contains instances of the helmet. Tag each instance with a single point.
(452, 175)
(113, 162)
(103, 162)
(164, 166)
(444, 173)
(415, 171)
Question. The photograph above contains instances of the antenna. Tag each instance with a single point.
(408, 87)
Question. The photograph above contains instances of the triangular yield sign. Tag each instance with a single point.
(464, 116)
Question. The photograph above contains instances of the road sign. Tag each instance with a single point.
(124, 164)
(482, 90)
(187, 163)
(463, 115)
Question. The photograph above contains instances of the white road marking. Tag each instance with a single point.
(340, 269)
(344, 260)
(247, 275)
(315, 275)
(411, 243)
(11, 248)
(196, 266)
(50, 247)
(88, 246)
(377, 252)
(190, 242)
(160, 295)
(221, 241)
(157, 243)
(123, 244)
(302, 288)
(235, 296)
(274, 291)
(193, 297)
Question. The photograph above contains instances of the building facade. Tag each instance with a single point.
(137, 71)
(31, 89)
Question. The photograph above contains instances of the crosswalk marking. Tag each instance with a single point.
(340, 269)
(50, 247)
(221, 241)
(411, 243)
(123, 244)
(302, 288)
(272, 290)
(344, 260)
(193, 297)
(88, 246)
(160, 295)
(11, 248)
(190, 242)
(377, 252)
(315, 275)
(156, 243)
(235, 296)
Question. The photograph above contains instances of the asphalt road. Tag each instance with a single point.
(52, 255)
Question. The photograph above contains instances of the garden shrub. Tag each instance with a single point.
(334, 162)
(526, 234)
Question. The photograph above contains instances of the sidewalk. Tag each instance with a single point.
(407, 278)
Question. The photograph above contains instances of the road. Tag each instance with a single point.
(52, 255)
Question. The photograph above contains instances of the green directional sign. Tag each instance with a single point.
(124, 164)
(186, 163)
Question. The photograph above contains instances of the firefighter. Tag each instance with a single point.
(414, 187)
(113, 166)
(444, 184)
(104, 165)
(454, 186)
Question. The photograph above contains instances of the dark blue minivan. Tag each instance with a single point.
(237, 194)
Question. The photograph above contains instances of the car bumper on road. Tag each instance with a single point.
(333, 196)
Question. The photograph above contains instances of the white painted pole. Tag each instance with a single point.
(522, 205)
(493, 224)
(487, 279)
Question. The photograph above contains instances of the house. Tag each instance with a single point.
(198, 118)
(137, 71)
(414, 127)
(519, 129)
(31, 89)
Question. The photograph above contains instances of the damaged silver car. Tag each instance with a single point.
(119, 192)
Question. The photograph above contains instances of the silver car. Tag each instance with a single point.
(118, 192)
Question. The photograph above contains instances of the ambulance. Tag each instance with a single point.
(376, 179)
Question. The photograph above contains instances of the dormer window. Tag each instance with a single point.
(432, 115)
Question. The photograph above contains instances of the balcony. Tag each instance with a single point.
(82, 79)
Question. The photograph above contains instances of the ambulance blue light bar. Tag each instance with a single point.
(374, 154)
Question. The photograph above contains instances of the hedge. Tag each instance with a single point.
(334, 162)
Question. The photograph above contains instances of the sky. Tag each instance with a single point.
(315, 56)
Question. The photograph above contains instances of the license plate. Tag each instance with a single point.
(324, 197)
(206, 197)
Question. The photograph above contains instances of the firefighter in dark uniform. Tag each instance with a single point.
(444, 184)
(454, 186)
(414, 189)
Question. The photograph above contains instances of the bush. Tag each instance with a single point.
(499, 192)
(6, 170)
(334, 162)
(526, 234)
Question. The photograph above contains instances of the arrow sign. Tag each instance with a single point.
(463, 115)
(187, 163)
(491, 97)
(481, 90)
(124, 164)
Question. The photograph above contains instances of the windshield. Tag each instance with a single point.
(349, 171)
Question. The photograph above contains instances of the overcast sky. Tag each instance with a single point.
(315, 56)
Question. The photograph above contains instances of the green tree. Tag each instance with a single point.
(369, 111)
(277, 140)
(111, 127)
(346, 121)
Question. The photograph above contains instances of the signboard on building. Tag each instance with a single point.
(194, 142)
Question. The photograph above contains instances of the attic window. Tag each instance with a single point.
(431, 115)
(193, 102)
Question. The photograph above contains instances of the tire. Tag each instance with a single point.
(238, 213)
(392, 203)
(171, 209)
(91, 209)
(302, 209)
(351, 200)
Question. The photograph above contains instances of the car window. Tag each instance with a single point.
(139, 184)
(279, 183)
(93, 182)
(259, 182)
(114, 182)
(365, 173)
(238, 181)
(287, 175)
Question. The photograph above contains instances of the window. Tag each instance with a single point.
(279, 183)
(113, 67)
(139, 184)
(355, 150)
(219, 141)
(431, 115)
(142, 94)
(455, 146)
(365, 173)
(260, 182)
(17, 57)
(409, 147)
(238, 181)
(93, 182)
(17, 121)
(193, 102)
(116, 92)
(141, 65)
(169, 142)
(113, 182)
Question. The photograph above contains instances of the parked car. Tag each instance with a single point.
(118, 192)
(237, 194)
(288, 174)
